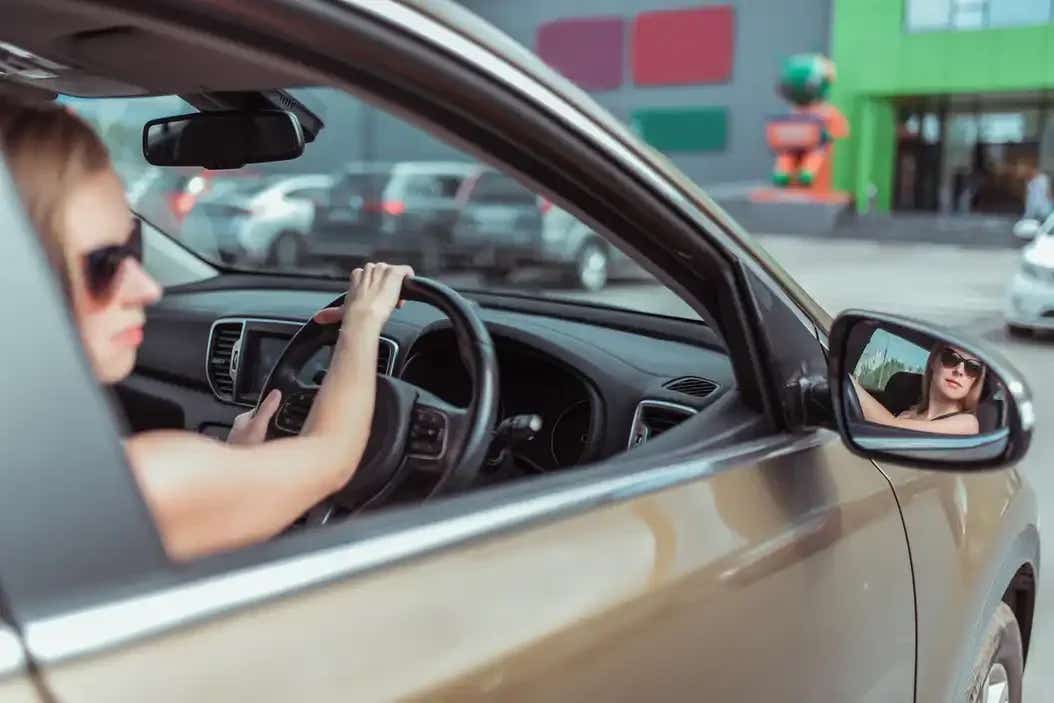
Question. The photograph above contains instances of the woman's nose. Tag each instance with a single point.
(138, 287)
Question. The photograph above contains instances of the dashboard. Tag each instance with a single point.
(531, 384)
(602, 380)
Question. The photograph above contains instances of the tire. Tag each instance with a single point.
(592, 266)
(287, 251)
(1019, 331)
(496, 276)
(999, 669)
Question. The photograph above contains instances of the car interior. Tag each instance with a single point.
(578, 382)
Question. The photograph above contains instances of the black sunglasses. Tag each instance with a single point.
(950, 359)
(101, 265)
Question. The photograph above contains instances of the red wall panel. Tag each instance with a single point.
(676, 47)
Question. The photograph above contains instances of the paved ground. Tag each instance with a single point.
(954, 286)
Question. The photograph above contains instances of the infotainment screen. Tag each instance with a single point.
(259, 353)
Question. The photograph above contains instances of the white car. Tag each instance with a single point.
(260, 220)
(1030, 298)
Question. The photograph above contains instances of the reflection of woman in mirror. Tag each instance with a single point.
(951, 390)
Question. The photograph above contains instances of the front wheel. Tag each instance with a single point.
(287, 251)
(592, 267)
(999, 669)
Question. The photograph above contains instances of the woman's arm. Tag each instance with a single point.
(208, 496)
(874, 411)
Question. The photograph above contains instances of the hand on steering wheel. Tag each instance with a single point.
(413, 433)
(374, 290)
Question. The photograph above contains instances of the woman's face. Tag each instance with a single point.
(953, 382)
(110, 322)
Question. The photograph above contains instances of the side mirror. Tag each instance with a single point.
(1027, 228)
(911, 393)
(222, 140)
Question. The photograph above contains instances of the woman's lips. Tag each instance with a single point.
(131, 337)
(953, 383)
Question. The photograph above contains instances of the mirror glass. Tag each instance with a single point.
(914, 395)
(223, 140)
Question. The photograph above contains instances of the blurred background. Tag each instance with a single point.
(942, 186)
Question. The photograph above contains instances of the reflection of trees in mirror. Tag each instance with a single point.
(873, 374)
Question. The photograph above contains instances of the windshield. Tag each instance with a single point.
(371, 186)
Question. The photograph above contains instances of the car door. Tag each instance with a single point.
(745, 565)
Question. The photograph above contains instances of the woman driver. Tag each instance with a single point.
(951, 390)
(205, 495)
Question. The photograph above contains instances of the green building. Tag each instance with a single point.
(951, 102)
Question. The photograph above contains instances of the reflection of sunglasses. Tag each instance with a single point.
(950, 359)
(101, 265)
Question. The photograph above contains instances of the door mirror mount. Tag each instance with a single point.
(912, 393)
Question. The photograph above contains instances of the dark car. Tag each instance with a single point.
(402, 211)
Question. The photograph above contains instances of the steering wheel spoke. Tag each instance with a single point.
(435, 427)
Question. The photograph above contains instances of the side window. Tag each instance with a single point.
(397, 196)
(497, 188)
(448, 186)
(423, 187)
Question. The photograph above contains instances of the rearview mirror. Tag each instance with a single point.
(911, 393)
(223, 140)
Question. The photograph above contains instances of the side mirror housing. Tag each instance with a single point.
(912, 393)
(223, 140)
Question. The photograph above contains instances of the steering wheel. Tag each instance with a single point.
(414, 433)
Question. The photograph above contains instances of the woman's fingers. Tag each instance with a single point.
(328, 316)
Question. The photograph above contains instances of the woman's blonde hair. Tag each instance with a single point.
(48, 150)
(969, 403)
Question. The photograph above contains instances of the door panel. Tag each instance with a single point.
(787, 580)
(969, 533)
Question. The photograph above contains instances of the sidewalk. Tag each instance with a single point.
(840, 222)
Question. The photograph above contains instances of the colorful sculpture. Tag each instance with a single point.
(804, 140)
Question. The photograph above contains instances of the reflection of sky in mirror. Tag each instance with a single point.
(885, 347)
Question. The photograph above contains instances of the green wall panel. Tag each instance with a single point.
(683, 129)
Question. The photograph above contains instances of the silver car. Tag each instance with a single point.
(265, 220)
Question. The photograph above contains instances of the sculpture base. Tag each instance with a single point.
(789, 211)
(798, 194)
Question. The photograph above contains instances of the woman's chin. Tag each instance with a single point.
(117, 366)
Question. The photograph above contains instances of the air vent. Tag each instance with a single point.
(222, 343)
(386, 356)
(653, 417)
(692, 385)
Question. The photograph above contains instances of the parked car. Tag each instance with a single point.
(1030, 296)
(503, 227)
(402, 211)
(703, 511)
(266, 220)
(498, 226)
(586, 260)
